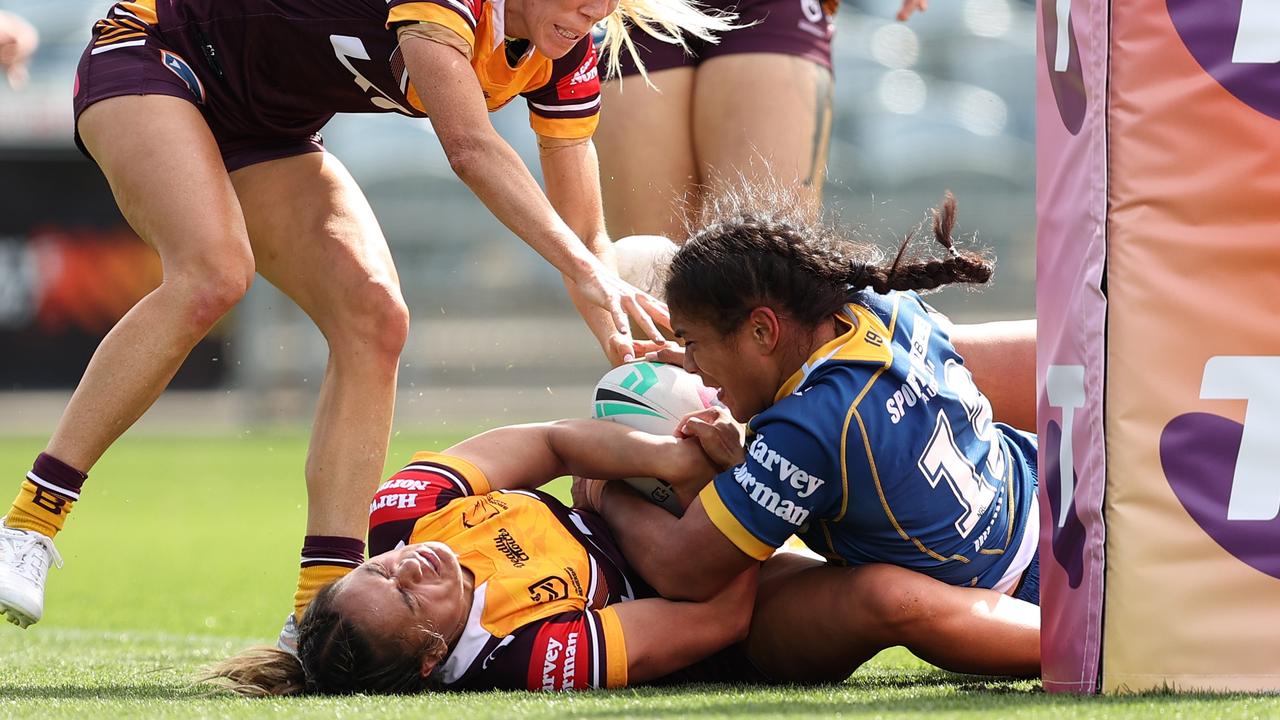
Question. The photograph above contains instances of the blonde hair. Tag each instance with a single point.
(666, 20)
(261, 671)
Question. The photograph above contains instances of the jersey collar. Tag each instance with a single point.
(866, 340)
(498, 15)
(471, 644)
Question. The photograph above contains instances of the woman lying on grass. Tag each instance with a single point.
(479, 581)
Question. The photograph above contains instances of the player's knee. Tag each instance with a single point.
(895, 606)
(211, 288)
(372, 318)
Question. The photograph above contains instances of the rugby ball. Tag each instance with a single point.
(651, 397)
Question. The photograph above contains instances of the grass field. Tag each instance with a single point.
(184, 551)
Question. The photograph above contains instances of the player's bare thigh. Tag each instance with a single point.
(316, 238)
(817, 623)
(647, 159)
(167, 175)
(762, 116)
(800, 627)
(313, 232)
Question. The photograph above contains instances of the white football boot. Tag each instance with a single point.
(288, 640)
(25, 557)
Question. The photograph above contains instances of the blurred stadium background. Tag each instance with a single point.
(944, 101)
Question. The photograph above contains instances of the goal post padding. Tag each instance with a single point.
(1158, 277)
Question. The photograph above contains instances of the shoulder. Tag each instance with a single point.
(566, 651)
(575, 75)
(461, 16)
(795, 448)
(567, 105)
(474, 10)
(428, 483)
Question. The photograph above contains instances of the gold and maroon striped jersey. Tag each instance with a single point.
(545, 577)
(286, 66)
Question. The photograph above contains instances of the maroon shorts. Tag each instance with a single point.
(129, 57)
(803, 28)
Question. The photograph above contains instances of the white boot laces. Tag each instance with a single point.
(31, 563)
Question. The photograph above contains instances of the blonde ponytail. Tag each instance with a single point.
(667, 20)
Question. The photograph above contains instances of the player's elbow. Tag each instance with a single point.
(468, 153)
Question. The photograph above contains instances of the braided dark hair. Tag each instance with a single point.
(755, 248)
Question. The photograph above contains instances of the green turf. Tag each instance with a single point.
(184, 551)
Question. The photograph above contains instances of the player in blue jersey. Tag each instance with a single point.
(866, 435)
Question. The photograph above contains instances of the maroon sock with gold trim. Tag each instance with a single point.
(46, 496)
(325, 559)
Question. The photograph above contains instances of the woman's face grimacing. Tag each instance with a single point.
(402, 598)
(555, 26)
(737, 364)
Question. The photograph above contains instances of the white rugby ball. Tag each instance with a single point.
(651, 397)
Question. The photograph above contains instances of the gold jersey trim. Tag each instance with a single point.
(729, 525)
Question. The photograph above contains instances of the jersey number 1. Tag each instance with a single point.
(943, 460)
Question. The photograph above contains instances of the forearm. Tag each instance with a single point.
(497, 175)
(571, 172)
(692, 631)
(608, 450)
(651, 540)
(452, 97)
(570, 169)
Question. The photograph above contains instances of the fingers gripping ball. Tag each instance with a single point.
(651, 397)
(643, 261)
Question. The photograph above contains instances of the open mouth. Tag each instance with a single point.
(429, 556)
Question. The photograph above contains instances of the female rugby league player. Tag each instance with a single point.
(478, 581)
(204, 117)
(867, 435)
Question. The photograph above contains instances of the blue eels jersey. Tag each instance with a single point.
(881, 449)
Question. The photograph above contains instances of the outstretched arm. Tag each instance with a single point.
(451, 95)
(571, 172)
(529, 456)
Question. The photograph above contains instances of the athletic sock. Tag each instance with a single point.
(46, 496)
(325, 559)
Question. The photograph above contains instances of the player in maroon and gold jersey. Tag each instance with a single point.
(204, 117)
(479, 581)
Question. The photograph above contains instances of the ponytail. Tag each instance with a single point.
(261, 671)
(908, 272)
